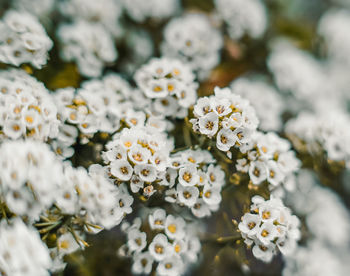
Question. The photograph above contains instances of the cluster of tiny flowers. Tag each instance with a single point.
(140, 10)
(170, 83)
(333, 27)
(316, 259)
(23, 40)
(26, 107)
(168, 249)
(296, 72)
(198, 181)
(334, 214)
(140, 47)
(194, 40)
(269, 226)
(40, 8)
(30, 177)
(243, 17)
(139, 156)
(94, 197)
(88, 44)
(22, 253)
(268, 104)
(269, 158)
(100, 105)
(105, 12)
(227, 117)
(328, 130)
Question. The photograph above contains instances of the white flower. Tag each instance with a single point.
(160, 248)
(136, 183)
(200, 209)
(267, 232)
(225, 139)
(188, 175)
(142, 263)
(216, 176)
(209, 124)
(257, 172)
(157, 219)
(136, 240)
(243, 17)
(121, 169)
(202, 107)
(263, 252)
(187, 195)
(146, 172)
(170, 266)
(175, 227)
(274, 174)
(66, 244)
(139, 155)
(193, 248)
(212, 195)
(250, 224)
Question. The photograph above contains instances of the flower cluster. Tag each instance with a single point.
(243, 17)
(40, 8)
(315, 259)
(269, 226)
(269, 158)
(94, 196)
(296, 72)
(18, 243)
(195, 181)
(23, 40)
(88, 44)
(194, 40)
(170, 83)
(105, 12)
(225, 116)
(26, 107)
(266, 101)
(333, 27)
(140, 10)
(141, 48)
(171, 244)
(99, 105)
(325, 130)
(30, 177)
(139, 156)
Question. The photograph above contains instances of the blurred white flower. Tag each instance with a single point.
(243, 17)
(194, 40)
(87, 44)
